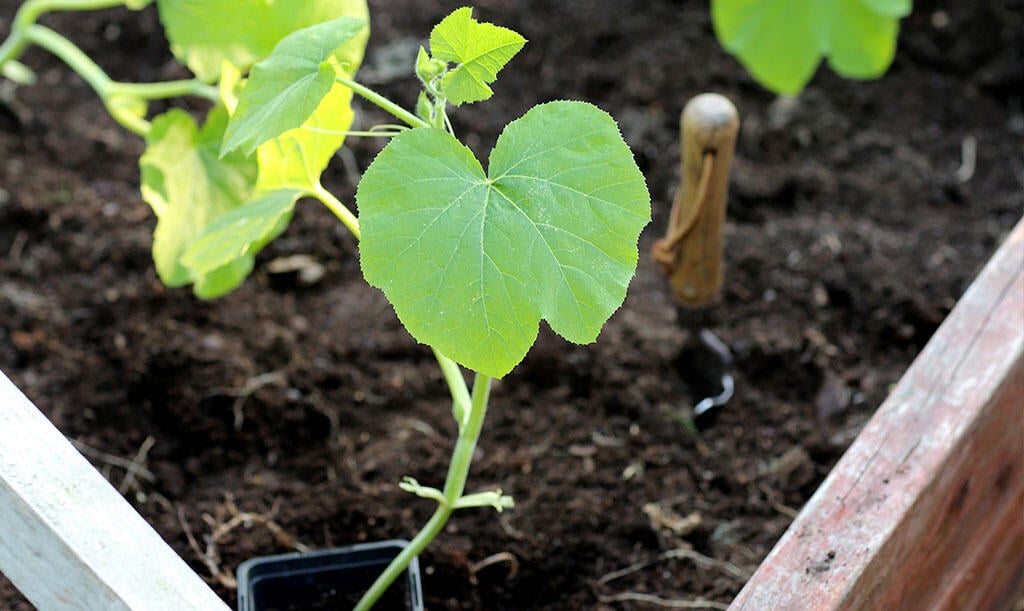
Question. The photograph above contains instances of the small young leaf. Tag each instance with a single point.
(205, 33)
(188, 186)
(242, 232)
(472, 262)
(428, 68)
(781, 42)
(287, 87)
(479, 51)
(296, 158)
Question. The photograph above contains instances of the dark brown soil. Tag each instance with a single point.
(852, 232)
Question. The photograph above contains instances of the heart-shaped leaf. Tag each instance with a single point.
(472, 261)
(287, 87)
(480, 50)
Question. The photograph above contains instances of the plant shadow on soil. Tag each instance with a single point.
(854, 226)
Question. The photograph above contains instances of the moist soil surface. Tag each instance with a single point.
(857, 217)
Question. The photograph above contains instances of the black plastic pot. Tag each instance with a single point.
(330, 579)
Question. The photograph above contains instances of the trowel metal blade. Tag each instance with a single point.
(705, 362)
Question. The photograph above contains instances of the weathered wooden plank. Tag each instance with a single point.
(926, 508)
(68, 540)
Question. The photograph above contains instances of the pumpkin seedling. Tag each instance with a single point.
(472, 257)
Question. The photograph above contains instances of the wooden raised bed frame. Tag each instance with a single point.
(68, 539)
(924, 511)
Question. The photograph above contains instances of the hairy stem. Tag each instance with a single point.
(31, 10)
(370, 95)
(454, 485)
(465, 446)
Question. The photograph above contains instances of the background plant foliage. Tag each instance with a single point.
(308, 121)
(782, 42)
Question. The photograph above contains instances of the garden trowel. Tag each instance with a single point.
(691, 252)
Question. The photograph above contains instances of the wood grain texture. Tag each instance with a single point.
(926, 508)
(68, 540)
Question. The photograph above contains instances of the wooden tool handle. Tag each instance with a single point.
(691, 253)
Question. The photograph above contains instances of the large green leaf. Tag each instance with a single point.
(286, 88)
(188, 186)
(472, 261)
(479, 51)
(781, 42)
(242, 232)
(205, 33)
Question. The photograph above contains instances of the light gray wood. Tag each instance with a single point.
(68, 540)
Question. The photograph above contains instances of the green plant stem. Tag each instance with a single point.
(109, 89)
(165, 89)
(71, 55)
(461, 401)
(339, 209)
(454, 485)
(29, 13)
(102, 84)
(363, 134)
(397, 111)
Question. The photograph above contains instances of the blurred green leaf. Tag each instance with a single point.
(242, 232)
(205, 33)
(782, 42)
(188, 186)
